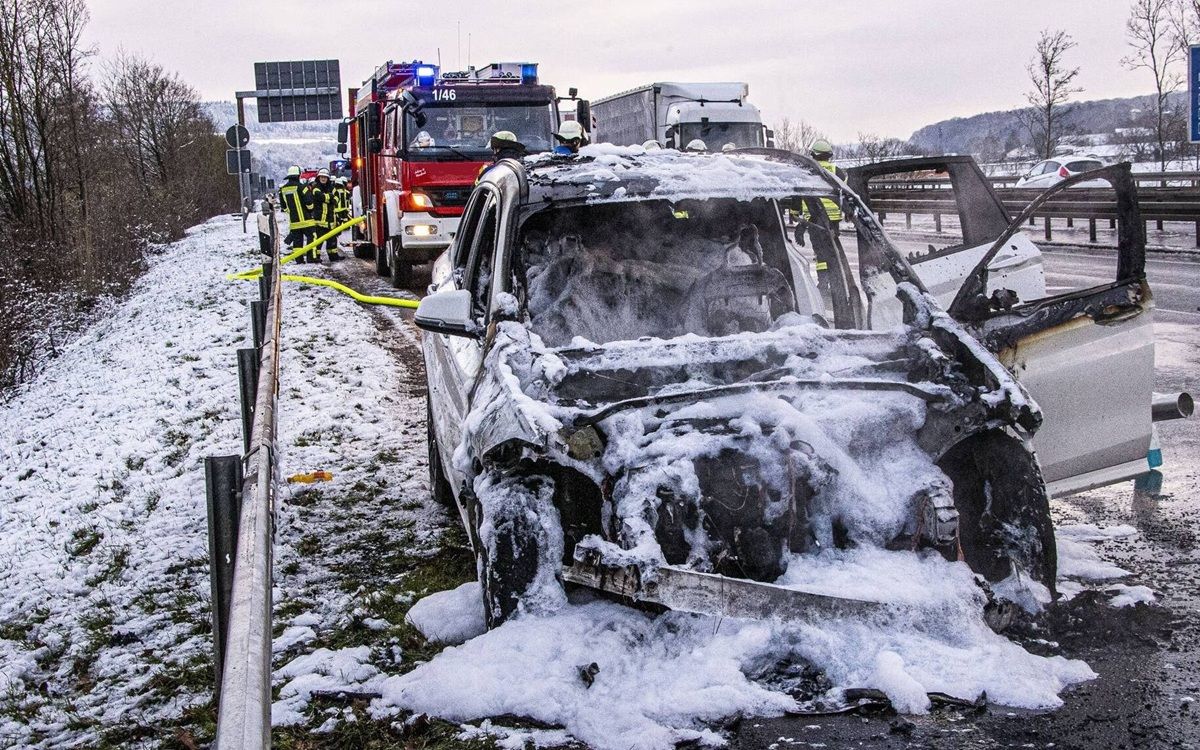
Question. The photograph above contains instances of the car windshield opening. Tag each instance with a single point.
(467, 129)
(622, 271)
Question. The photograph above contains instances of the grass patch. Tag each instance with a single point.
(113, 570)
(305, 497)
(377, 734)
(83, 541)
(135, 463)
(179, 442)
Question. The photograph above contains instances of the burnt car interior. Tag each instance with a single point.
(623, 271)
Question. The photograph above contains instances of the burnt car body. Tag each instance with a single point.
(636, 381)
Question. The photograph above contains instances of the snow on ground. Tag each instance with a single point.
(104, 620)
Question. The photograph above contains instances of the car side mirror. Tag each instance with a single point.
(341, 148)
(447, 312)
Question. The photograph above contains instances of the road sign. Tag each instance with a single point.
(298, 90)
(237, 161)
(1194, 92)
(237, 136)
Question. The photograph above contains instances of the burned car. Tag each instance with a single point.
(638, 383)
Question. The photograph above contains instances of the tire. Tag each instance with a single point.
(1003, 509)
(439, 486)
(401, 270)
(381, 264)
(508, 561)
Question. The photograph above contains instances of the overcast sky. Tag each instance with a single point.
(882, 66)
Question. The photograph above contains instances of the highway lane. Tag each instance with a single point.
(1175, 280)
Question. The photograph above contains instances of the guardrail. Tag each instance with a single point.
(241, 521)
(1178, 201)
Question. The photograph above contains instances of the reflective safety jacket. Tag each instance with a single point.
(831, 208)
(297, 203)
(341, 204)
(322, 198)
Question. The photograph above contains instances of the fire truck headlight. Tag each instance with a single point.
(420, 230)
(419, 201)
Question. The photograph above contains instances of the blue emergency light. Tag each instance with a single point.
(426, 74)
(529, 73)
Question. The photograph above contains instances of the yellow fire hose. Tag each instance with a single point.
(364, 298)
(254, 273)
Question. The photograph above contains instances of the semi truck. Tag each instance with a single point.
(674, 114)
(419, 138)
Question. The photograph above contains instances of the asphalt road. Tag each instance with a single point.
(1174, 280)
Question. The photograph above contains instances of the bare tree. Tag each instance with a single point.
(796, 135)
(1156, 49)
(1052, 87)
(872, 148)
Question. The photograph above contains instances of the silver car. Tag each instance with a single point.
(639, 383)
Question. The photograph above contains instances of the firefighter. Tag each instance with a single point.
(570, 137)
(822, 152)
(504, 145)
(323, 212)
(297, 202)
(341, 213)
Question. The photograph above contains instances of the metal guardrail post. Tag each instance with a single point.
(265, 281)
(248, 364)
(258, 321)
(223, 485)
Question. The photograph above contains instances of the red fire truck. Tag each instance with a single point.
(417, 142)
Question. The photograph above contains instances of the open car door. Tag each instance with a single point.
(970, 216)
(1085, 355)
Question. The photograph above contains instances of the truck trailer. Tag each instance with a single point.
(676, 113)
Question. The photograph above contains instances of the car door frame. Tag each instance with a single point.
(1109, 327)
(982, 217)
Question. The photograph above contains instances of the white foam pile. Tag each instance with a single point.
(672, 678)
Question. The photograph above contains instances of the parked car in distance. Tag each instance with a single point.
(1053, 171)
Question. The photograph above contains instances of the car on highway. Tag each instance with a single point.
(638, 382)
(1053, 171)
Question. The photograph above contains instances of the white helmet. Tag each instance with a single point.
(571, 131)
(651, 145)
(322, 172)
(424, 140)
(696, 145)
(729, 147)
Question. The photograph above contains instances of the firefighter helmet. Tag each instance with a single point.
(696, 145)
(729, 147)
(651, 145)
(571, 131)
(322, 172)
(293, 171)
(821, 149)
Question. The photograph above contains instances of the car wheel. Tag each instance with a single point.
(1004, 522)
(439, 486)
(515, 538)
(401, 269)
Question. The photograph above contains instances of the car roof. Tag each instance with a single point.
(604, 173)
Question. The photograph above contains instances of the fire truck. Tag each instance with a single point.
(418, 140)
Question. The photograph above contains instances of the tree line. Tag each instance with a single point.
(100, 162)
(1158, 32)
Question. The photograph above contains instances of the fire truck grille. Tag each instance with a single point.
(446, 197)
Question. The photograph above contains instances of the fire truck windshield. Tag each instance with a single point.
(717, 134)
(466, 129)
